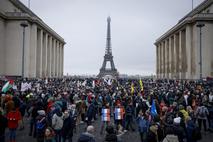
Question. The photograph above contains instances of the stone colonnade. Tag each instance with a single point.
(49, 54)
(173, 55)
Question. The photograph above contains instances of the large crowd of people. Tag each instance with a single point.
(158, 110)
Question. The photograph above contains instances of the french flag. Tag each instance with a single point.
(118, 114)
(105, 115)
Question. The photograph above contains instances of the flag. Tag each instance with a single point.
(105, 115)
(119, 113)
(153, 109)
(141, 84)
(93, 84)
(109, 82)
(7, 86)
(132, 88)
(25, 86)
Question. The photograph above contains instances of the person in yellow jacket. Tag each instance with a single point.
(184, 112)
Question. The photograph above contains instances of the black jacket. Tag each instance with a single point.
(68, 125)
(3, 124)
(86, 137)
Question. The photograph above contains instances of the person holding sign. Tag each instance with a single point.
(119, 116)
(105, 117)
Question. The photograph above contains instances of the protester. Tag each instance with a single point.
(111, 134)
(68, 126)
(57, 124)
(41, 125)
(3, 125)
(13, 117)
(88, 135)
(166, 104)
(202, 113)
(143, 126)
(153, 134)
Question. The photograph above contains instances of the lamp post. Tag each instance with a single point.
(24, 25)
(200, 25)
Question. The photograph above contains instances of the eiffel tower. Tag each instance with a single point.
(108, 56)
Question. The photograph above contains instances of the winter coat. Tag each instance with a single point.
(199, 111)
(68, 125)
(3, 124)
(152, 135)
(13, 118)
(57, 121)
(86, 137)
(90, 112)
(143, 125)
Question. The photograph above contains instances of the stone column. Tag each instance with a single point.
(49, 59)
(180, 55)
(55, 55)
(188, 42)
(164, 58)
(159, 62)
(53, 58)
(184, 59)
(62, 60)
(58, 69)
(39, 54)
(172, 58)
(33, 47)
(44, 53)
(56, 61)
(169, 57)
(177, 68)
(157, 69)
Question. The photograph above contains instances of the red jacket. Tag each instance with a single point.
(13, 119)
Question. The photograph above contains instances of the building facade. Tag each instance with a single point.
(43, 54)
(178, 50)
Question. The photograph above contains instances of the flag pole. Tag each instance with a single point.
(29, 4)
(192, 4)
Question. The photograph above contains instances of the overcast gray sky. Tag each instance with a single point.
(135, 26)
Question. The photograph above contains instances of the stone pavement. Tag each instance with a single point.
(22, 136)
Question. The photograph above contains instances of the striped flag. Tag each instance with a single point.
(7, 86)
(105, 115)
(119, 113)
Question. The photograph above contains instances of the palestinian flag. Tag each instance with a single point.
(7, 86)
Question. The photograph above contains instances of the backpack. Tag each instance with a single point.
(202, 112)
(40, 124)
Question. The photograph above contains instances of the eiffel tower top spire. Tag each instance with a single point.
(108, 42)
(112, 71)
